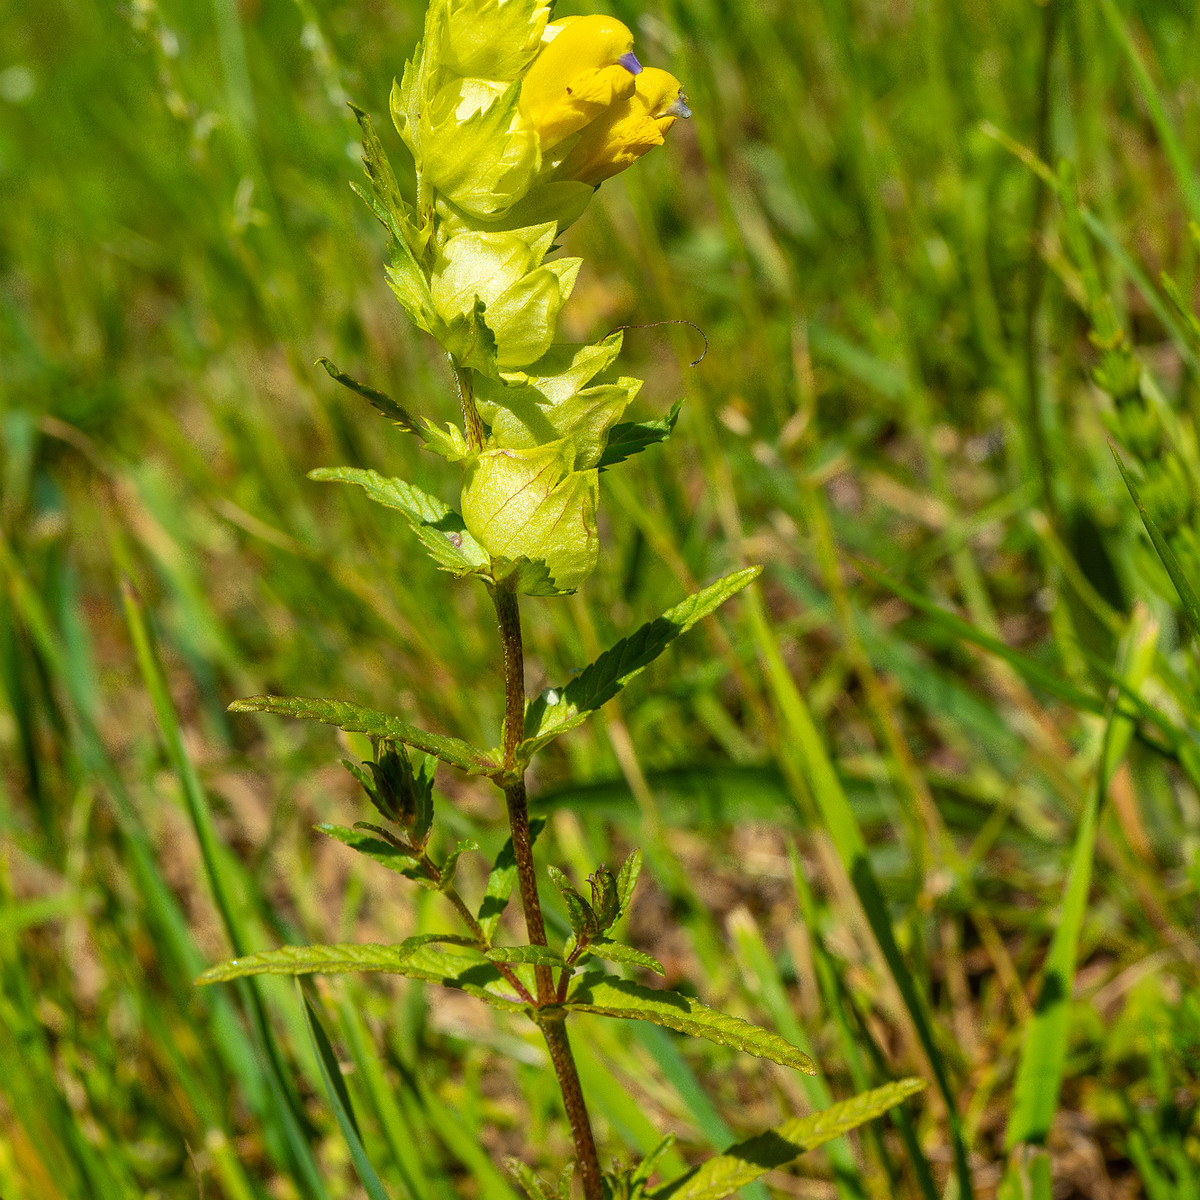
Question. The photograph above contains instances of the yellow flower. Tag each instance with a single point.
(585, 65)
(621, 135)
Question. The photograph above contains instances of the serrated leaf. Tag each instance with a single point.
(355, 719)
(311, 960)
(380, 401)
(619, 952)
(466, 969)
(627, 879)
(377, 849)
(579, 911)
(450, 866)
(632, 437)
(525, 1179)
(606, 901)
(448, 959)
(363, 777)
(1183, 585)
(502, 879)
(469, 338)
(439, 527)
(558, 709)
(614, 997)
(405, 276)
(526, 576)
(448, 442)
(541, 956)
(745, 1162)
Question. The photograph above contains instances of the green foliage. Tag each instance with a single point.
(380, 401)
(375, 845)
(907, 369)
(1183, 585)
(355, 719)
(725, 1174)
(628, 438)
(618, 952)
(611, 996)
(558, 710)
(501, 880)
(439, 527)
(333, 960)
(339, 1098)
(402, 795)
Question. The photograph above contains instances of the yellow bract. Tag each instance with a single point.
(577, 75)
(620, 136)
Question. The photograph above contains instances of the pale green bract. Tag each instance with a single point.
(468, 262)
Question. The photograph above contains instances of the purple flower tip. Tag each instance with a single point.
(630, 63)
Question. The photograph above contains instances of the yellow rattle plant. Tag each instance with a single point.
(513, 121)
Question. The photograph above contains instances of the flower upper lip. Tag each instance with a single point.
(629, 61)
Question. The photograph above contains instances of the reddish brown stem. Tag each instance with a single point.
(553, 1027)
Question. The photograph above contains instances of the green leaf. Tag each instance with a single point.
(380, 401)
(579, 912)
(614, 997)
(1183, 585)
(448, 442)
(312, 960)
(448, 959)
(376, 848)
(501, 881)
(526, 576)
(541, 956)
(618, 952)
(405, 276)
(339, 1098)
(627, 879)
(606, 900)
(525, 1179)
(355, 719)
(742, 1164)
(646, 1167)
(439, 527)
(450, 866)
(465, 969)
(628, 438)
(558, 709)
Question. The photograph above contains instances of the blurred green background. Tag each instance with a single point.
(897, 373)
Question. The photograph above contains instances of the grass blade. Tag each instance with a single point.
(1044, 1053)
(1183, 585)
(339, 1098)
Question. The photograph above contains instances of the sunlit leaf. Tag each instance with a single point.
(618, 952)
(353, 718)
(614, 997)
(558, 709)
(628, 437)
(439, 527)
(742, 1164)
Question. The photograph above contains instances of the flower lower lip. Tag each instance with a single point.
(630, 63)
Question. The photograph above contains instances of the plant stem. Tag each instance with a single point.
(464, 381)
(555, 1033)
(553, 1027)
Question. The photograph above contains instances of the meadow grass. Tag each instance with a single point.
(925, 801)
